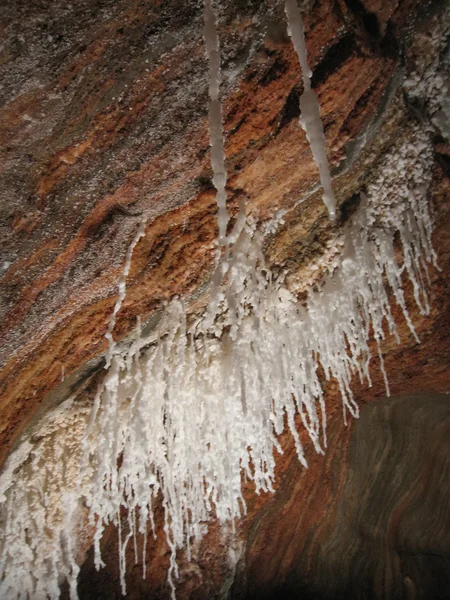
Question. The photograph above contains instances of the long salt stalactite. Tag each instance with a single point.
(215, 119)
(309, 106)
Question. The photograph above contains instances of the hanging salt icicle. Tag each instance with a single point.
(309, 106)
(215, 119)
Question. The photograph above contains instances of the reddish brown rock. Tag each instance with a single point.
(102, 110)
(102, 118)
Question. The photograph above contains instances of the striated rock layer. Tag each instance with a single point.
(104, 120)
(104, 108)
(383, 531)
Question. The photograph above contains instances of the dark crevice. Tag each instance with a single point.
(277, 68)
(333, 59)
(389, 46)
(348, 208)
(359, 105)
(444, 162)
(291, 108)
(238, 125)
(368, 19)
(385, 45)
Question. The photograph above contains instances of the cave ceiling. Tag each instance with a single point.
(104, 120)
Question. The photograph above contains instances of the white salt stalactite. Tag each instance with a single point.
(309, 107)
(215, 119)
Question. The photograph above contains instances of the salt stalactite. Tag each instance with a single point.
(41, 508)
(219, 392)
(218, 166)
(309, 106)
(215, 120)
(122, 291)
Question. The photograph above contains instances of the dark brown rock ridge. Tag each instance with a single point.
(103, 119)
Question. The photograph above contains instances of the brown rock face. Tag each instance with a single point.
(383, 533)
(103, 119)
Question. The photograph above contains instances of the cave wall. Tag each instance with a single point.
(103, 119)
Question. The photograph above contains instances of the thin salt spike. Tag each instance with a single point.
(309, 107)
(215, 120)
(144, 553)
(382, 368)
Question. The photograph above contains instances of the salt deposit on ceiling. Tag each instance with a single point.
(188, 416)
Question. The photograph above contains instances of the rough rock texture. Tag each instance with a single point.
(381, 517)
(103, 119)
(104, 108)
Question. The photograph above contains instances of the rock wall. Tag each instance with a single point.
(104, 117)
(103, 120)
